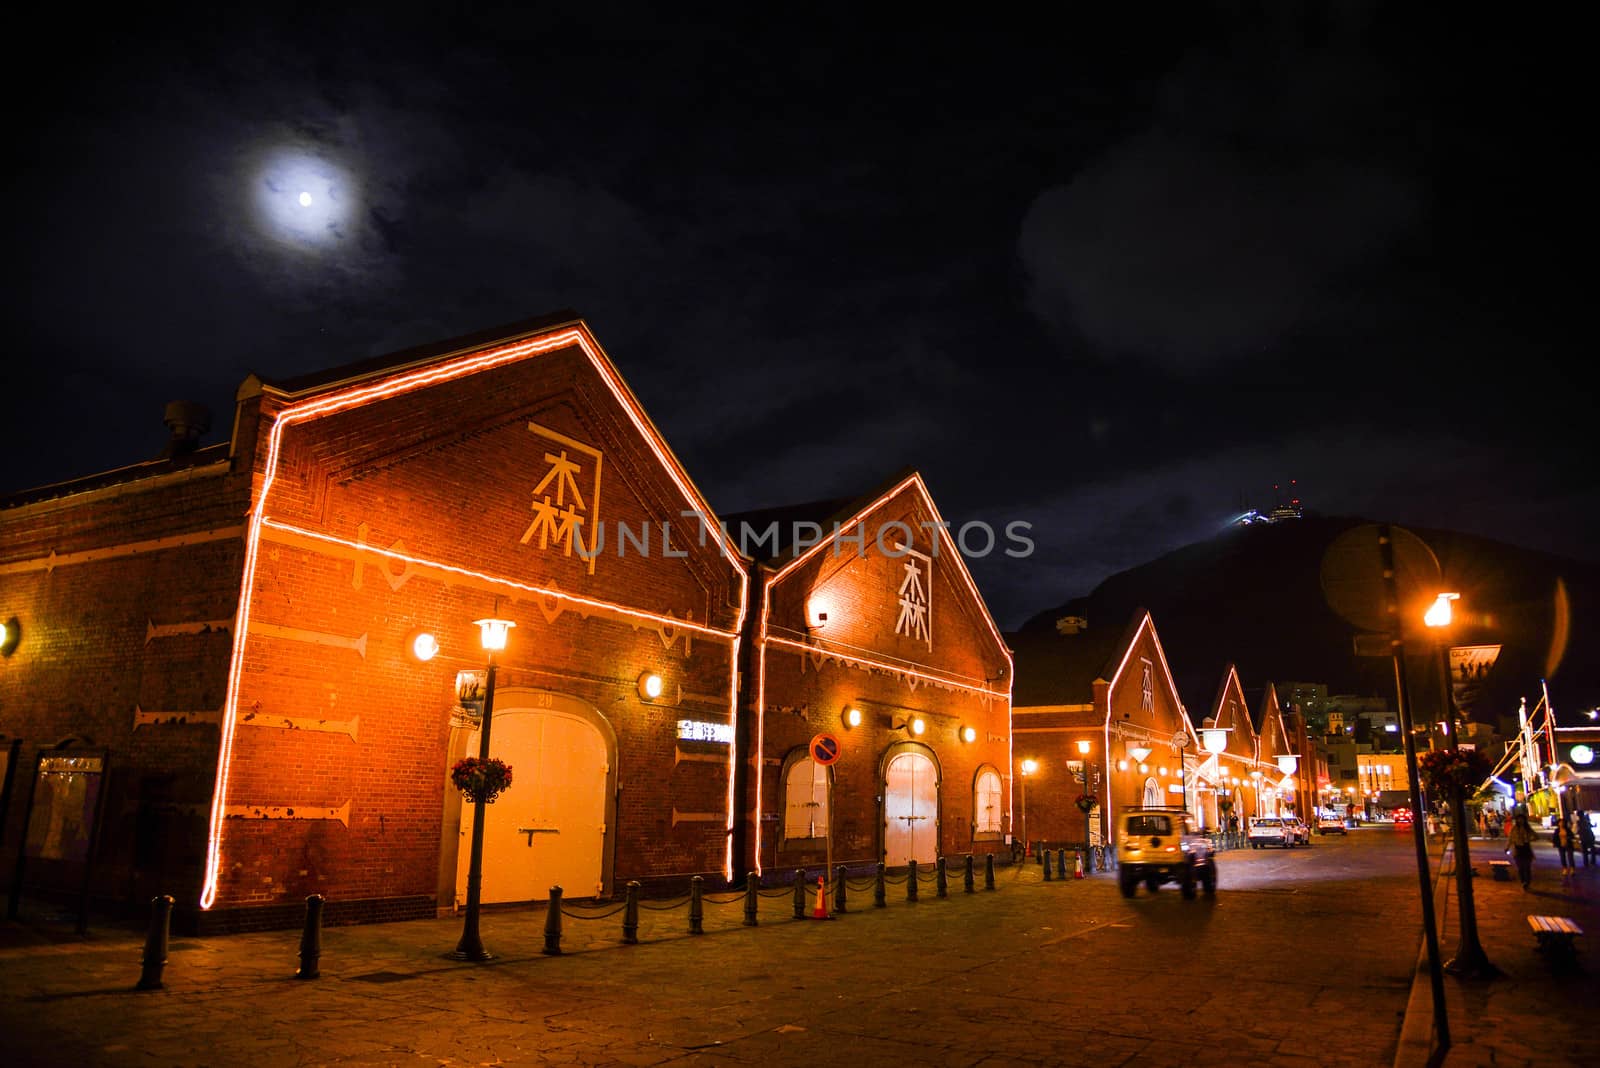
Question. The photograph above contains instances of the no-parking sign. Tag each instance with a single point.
(824, 749)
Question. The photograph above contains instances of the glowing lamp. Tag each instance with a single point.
(650, 686)
(969, 734)
(493, 633)
(918, 725)
(1582, 754)
(425, 646)
(1216, 739)
(1139, 753)
(817, 609)
(1030, 766)
(10, 636)
(1162, 770)
(1122, 765)
(852, 717)
(1084, 745)
(1144, 769)
(1438, 613)
(1287, 763)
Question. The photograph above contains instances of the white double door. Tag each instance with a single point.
(549, 828)
(910, 810)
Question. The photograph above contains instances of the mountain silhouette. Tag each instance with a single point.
(1253, 596)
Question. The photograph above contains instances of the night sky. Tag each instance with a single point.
(1110, 273)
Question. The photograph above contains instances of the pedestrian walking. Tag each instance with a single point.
(1585, 838)
(1519, 843)
(1561, 835)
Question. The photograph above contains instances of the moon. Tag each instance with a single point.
(305, 198)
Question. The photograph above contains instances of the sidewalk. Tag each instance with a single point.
(1539, 1013)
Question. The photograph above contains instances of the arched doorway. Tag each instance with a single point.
(551, 827)
(910, 805)
(1152, 793)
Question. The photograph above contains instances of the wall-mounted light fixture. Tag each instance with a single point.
(1122, 765)
(651, 686)
(852, 717)
(10, 636)
(918, 725)
(1084, 746)
(969, 734)
(424, 646)
(817, 611)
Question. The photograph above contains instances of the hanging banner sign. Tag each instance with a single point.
(1469, 667)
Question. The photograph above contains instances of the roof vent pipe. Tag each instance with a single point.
(187, 420)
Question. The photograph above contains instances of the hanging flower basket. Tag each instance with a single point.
(1085, 802)
(1225, 804)
(1442, 769)
(482, 780)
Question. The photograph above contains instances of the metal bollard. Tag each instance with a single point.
(879, 899)
(751, 883)
(311, 939)
(911, 880)
(988, 871)
(630, 915)
(839, 904)
(1061, 864)
(941, 882)
(966, 874)
(1044, 858)
(155, 943)
(552, 924)
(799, 893)
(697, 908)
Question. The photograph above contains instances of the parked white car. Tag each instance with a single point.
(1270, 830)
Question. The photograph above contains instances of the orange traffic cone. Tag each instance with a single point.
(1078, 874)
(821, 911)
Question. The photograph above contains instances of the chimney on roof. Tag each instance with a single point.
(1072, 624)
(187, 420)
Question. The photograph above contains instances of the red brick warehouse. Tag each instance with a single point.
(879, 637)
(240, 629)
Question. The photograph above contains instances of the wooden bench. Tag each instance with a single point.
(1500, 870)
(1554, 933)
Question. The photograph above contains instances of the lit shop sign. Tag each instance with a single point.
(1582, 754)
(692, 730)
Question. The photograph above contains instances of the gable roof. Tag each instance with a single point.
(1057, 668)
(854, 512)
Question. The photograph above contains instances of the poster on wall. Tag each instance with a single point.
(62, 826)
(66, 795)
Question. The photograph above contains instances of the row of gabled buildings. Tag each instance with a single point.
(241, 673)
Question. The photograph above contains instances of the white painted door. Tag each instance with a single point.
(910, 810)
(548, 829)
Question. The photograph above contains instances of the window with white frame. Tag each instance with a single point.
(987, 807)
(805, 799)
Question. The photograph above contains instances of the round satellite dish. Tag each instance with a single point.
(1352, 577)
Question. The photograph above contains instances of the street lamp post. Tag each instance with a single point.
(1029, 766)
(1084, 746)
(493, 634)
(1470, 959)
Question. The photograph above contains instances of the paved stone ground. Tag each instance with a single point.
(1303, 957)
(1541, 1012)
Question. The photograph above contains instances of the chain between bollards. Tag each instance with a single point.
(696, 906)
(839, 904)
(878, 893)
(552, 924)
(941, 882)
(751, 884)
(988, 871)
(799, 893)
(630, 915)
(311, 939)
(966, 873)
(911, 880)
(155, 943)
